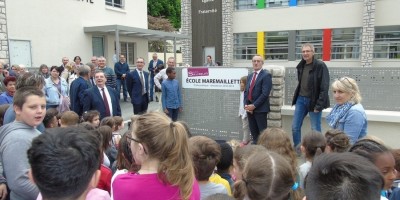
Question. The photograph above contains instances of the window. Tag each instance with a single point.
(303, 2)
(245, 4)
(128, 49)
(244, 45)
(387, 43)
(115, 3)
(276, 3)
(309, 36)
(98, 46)
(276, 45)
(346, 43)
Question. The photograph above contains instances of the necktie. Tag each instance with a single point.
(142, 81)
(106, 103)
(253, 82)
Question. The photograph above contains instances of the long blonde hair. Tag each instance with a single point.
(167, 142)
(348, 85)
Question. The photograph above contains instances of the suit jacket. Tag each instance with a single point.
(78, 87)
(151, 68)
(135, 86)
(92, 100)
(261, 91)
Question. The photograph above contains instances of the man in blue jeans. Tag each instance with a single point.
(311, 95)
(121, 69)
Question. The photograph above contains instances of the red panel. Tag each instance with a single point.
(326, 45)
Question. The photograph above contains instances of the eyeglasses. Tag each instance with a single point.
(139, 62)
(344, 80)
(135, 140)
(256, 61)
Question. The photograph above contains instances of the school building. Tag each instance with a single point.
(346, 33)
(42, 32)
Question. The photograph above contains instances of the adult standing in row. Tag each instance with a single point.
(108, 73)
(8, 96)
(78, 87)
(138, 87)
(55, 88)
(256, 97)
(121, 69)
(152, 67)
(65, 61)
(311, 95)
(348, 114)
(101, 98)
(162, 75)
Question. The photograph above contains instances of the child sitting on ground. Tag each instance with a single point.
(69, 118)
(313, 144)
(336, 141)
(92, 116)
(266, 175)
(65, 164)
(383, 159)
(206, 154)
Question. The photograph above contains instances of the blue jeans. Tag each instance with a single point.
(124, 90)
(300, 112)
(173, 113)
(151, 86)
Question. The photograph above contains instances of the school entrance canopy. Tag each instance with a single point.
(128, 31)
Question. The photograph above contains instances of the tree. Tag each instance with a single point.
(171, 9)
(162, 24)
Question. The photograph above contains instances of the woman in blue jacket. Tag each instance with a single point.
(55, 88)
(348, 114)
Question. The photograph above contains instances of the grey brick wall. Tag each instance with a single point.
(368, 33)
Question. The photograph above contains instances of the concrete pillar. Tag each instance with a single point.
(4, 49)
(368, 33)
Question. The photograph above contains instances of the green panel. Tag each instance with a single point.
(260, 4)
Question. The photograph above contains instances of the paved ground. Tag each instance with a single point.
(127, 110)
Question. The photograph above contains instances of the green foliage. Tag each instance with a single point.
(171, 9)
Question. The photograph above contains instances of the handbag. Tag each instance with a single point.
(65, 102)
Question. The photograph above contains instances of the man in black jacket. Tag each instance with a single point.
(311, 95)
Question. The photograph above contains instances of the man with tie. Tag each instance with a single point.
(137, 82)
(101, 98)
(256, 97)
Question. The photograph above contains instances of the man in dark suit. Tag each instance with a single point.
(121, 68)
(137, 82)
(101, 98)
(78, 87)
(152, 66)
(256, 97)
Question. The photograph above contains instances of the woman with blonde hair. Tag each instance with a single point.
(348, 115)
(160, 147)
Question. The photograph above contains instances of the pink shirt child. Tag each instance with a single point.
(147, 186)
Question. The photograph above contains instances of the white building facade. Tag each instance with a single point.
(42, 32)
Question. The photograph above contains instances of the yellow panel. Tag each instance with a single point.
(260, 44)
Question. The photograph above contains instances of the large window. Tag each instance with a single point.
(98, 45)
(245, 45)
(309, 36)
(276, 3)
(245, 4)
(115, 3)
(276, 45)
(387, 43)
(346, 43)
(128, 49)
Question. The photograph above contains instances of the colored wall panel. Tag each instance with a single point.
(292, 3)
(326, 44)
(260, 44)
(260, 4)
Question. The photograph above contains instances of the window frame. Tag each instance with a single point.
(112, 3)
(244, 50)
(270, 46)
